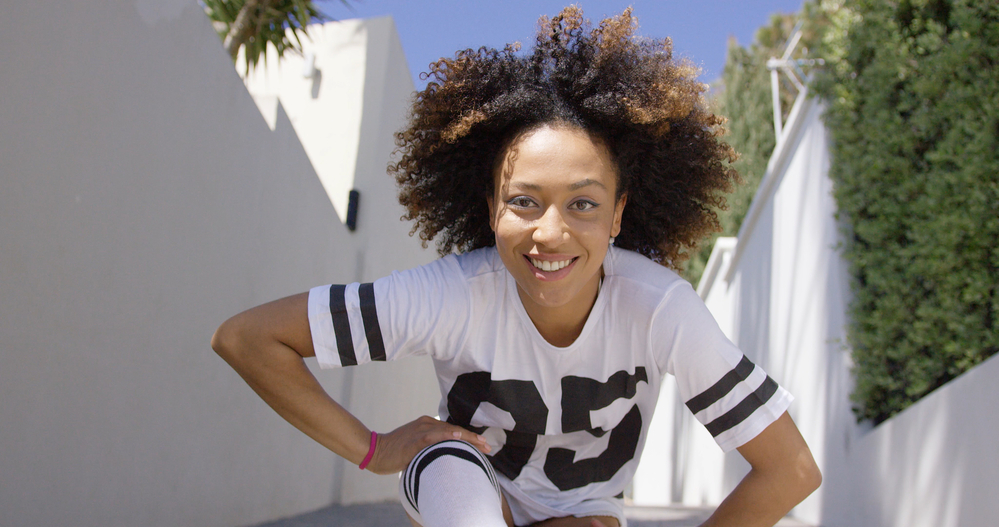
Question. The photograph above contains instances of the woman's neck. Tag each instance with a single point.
(562, 325)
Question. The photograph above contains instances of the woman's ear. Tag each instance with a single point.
(618, 212)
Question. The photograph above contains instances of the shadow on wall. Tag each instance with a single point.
(930, 465)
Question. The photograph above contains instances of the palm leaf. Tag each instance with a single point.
(253, 24)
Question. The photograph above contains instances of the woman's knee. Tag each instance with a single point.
(450, 469)
(450, 452)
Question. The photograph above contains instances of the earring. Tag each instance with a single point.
(612, 240)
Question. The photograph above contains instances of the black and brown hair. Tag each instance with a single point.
(628, 91)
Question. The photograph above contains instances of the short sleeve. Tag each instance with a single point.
(416, 312)
(732, 397)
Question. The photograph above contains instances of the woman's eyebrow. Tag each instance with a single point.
(525, 186)
(575, 186)
(586, 182)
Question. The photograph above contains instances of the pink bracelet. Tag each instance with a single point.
(371, 451)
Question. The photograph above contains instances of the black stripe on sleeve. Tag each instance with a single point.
(722, 387)
(341, 325)
(372, 331)
(744, 409)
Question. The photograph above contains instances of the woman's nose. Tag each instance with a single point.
(551, 229)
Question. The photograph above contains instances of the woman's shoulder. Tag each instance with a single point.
(636, 270)
(478, 262)
(642, 289)
(470, 264)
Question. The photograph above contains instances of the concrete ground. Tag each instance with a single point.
(391, 515)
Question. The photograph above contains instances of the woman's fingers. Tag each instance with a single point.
(443, 431)
(472, 438)
(397, 448)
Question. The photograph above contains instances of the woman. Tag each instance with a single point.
(560, 186)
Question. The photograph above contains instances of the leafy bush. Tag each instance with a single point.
(913, 93)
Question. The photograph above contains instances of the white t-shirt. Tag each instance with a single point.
(565, 425)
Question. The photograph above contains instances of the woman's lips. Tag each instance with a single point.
(556, 268)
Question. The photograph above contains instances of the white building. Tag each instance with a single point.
(144, 200)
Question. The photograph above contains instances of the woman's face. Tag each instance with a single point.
(554, 211)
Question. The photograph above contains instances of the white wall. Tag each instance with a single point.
(384, 396)
(144, 200)
(786, 292)
(933, 465)
(809, 298)
(326, 107)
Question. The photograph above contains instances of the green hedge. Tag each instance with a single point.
(913, 94)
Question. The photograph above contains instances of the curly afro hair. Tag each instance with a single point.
(628, 91)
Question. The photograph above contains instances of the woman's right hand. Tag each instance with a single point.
(397, 448)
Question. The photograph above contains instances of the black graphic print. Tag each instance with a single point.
(580, 396)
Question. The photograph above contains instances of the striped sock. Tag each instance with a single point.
(451, 484)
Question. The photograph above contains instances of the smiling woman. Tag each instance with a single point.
(554, 209)
(646, 107)
(561, 187)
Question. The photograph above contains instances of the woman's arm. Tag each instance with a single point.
(266, 346)
(783, 474)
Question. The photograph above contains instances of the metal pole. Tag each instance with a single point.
(775, 90)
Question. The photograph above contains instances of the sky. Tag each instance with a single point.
(430, 29)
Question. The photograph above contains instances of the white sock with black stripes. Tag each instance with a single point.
(451, 484)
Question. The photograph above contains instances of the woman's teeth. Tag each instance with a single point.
(545, 265)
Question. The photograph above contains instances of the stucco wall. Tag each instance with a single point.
(785, 290)
(145, 199)
(933, 465)
(809, 295)
(771, 293)
(788, 289)
(384, 396)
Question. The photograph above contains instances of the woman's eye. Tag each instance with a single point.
(582, 205)
(521, 201)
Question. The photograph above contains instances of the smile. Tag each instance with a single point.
(546, 265)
